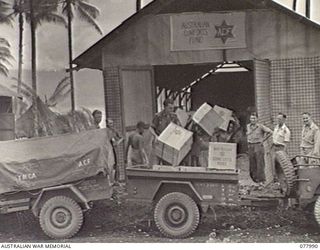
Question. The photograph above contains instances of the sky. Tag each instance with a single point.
(52, 46)
(52, 39)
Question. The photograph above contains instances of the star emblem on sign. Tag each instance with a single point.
(224, 31)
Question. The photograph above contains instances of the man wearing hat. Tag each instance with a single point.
(135, 151)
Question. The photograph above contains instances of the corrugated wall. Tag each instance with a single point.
(295, 88)
(263, 104)
(114, 109)
(262, 90)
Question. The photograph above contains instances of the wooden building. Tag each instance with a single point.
(7, 118)
(169, 44)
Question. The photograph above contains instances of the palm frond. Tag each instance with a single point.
(60, 93)
(4, 8)
(4, 42)
(4, 70)
(24, 93)
(58, 98)
(93, 11)
(61, 85)
(5, 61)
(50, 18)
(65, 9)
(26, 87)
(5, 56)
(5, 53)
(89, 19)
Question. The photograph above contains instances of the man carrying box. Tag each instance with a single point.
(163, 118)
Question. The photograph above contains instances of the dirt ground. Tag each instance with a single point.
(128, 222)
(123, 221)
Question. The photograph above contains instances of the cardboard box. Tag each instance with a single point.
(222, 156)
(182, 116)
(174, 143)
(207, 118)
(225, 114)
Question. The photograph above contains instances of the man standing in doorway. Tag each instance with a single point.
(310, 137)
(281, 134)
(162, 119)
(256, 134)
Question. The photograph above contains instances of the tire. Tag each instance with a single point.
(176, 215)
(309, 212)
(61, 217)
(316, 211)
(284, 172)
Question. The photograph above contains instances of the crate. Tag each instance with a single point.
(222, 156)
(225, 114)
(207, 118)
(174, 143)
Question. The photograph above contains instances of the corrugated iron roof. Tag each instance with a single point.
(91, 58)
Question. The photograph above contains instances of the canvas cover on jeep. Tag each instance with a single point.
(30, 164)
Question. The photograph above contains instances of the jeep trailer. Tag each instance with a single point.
(59, 208)
(180, 195)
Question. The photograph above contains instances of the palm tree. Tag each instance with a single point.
(294, 5)
(86, 12)
(37, 12)
(17, 9)
(5, 54)
(308, 8)
(307, 5)
(138, 5)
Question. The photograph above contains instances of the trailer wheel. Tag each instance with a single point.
(284, 172)
(176, 215)
(316, 210)
(61, 217)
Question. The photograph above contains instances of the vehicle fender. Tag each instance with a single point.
(165, 187)
(317, 191)
(49, 192)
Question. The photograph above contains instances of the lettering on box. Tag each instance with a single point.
(222, 156)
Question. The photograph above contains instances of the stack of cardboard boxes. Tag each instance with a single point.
(175, 142)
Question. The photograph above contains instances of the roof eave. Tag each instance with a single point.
(85, 59)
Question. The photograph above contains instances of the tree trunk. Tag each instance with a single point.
(70, 55)
(21, 22)
(138, 5)
(308, 8)
(294, 5)
(34, 66)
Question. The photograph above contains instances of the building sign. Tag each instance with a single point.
(201, 31)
